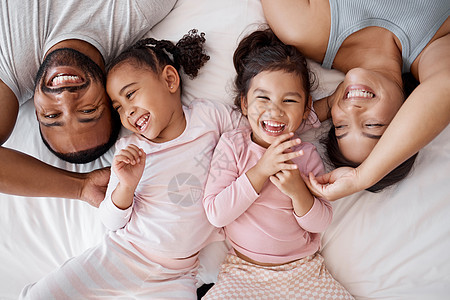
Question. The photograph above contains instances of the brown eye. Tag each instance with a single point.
(51, 116)
(88, 111)
(128, 95)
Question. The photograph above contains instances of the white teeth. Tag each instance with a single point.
(62, 79)
(275, 127)
(273, 124)
(359, 94)
(142, 121)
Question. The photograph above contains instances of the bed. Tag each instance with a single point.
(390, 245)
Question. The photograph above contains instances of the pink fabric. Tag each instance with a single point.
(306, 278)
(167, 218)
(262, 227)
(113, 271)
(151, 252)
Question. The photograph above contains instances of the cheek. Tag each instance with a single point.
(253, 112)
(337, 114)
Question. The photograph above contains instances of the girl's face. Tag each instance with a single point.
(274, 105)
(148, 104)
(363, 106)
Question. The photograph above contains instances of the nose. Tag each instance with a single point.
(66, 95)
(354, 107)
(130, 111)
(275, 110)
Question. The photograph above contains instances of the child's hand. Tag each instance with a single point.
(273, 161)
(290, 182)
(277, 156)
(129, 165)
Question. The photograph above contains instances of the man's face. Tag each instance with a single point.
(71, 103)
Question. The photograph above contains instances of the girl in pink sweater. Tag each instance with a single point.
(255, 190)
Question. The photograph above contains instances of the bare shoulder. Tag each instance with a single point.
(302, 23)
(8, 113)
(434, 60)
(434, 57)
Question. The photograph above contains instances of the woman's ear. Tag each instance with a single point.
(244, 106)
(308, 107)
(171, 77)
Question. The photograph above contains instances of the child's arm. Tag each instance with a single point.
(128, 165)
(227, 193)
(127, 168)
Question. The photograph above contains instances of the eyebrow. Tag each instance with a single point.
(286, 94)
(80, 120)
(369, 135)
(122, 90)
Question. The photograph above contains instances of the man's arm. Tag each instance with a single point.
(23, 175)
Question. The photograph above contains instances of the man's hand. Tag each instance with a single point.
(94, 186)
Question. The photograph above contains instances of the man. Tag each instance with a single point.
(56, 51)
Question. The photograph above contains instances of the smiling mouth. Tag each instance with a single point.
(273, 127)
(63, 79)
(142, 123)
(358, 92)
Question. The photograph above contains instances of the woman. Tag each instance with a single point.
(373, 43)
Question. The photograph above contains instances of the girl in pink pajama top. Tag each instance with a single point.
(255, 189)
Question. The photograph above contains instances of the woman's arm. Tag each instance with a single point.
(302, 23)
(23, 175)
(425, 113)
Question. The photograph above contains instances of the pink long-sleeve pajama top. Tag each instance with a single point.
(261, 226)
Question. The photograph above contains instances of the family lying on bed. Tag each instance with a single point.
(258, 164)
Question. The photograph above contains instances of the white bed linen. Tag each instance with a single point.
(391, 245)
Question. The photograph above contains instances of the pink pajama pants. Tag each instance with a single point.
(113, 271)
(306, 278)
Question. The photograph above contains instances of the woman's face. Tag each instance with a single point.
(363, 105)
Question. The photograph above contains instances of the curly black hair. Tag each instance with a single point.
(187, 53)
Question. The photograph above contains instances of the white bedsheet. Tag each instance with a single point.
(391, 245)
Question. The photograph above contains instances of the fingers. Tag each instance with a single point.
(280, 139)
(283, 149)
(291, 155)
(315, 187)
(283, 145)
(322, 179)
(130, 155)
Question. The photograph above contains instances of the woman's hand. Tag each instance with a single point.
(334, 185)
